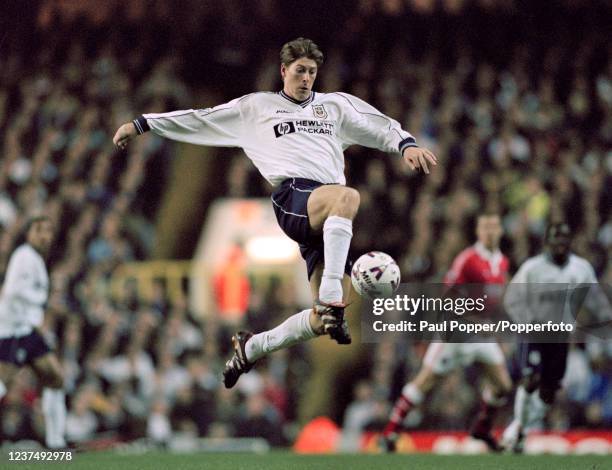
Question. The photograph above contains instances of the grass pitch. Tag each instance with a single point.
(290, 461)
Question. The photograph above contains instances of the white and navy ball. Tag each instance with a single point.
(375, 274)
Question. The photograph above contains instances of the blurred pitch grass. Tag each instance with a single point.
(286, 460)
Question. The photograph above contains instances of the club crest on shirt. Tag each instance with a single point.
(319, 111)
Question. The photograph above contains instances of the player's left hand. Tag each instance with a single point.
(124, 134)
(418, 158)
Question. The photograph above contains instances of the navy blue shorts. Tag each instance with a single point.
(548, 360)
(290, 203)
(24, 349)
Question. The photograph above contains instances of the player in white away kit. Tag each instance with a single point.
(482, 263)
(532, 297)
(22, 302)
(296, 139)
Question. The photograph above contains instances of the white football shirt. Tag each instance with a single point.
(24, 293)
(283, 137)
(541, 290)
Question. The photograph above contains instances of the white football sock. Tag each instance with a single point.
(412, 393)
(337, 234)
(522, 402)
(537, 410)
(2, 390)
(293, 330)
(54, 410)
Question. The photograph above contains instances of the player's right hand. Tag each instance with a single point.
(124, 134)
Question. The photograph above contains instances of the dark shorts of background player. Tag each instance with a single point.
(548, 360)
(290, 203)
(23, 350)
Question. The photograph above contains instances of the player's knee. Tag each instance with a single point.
(58, 380)
(347, 201)
(52, 378)
(504, 389)
(428, 384)
(547, 394)
(54, 381)
(499, 396)
(352, 198)
(531, 382)
(426, 380)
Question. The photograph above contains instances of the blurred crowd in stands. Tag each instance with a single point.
(518, 112)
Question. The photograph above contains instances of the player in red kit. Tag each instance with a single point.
(481, 263)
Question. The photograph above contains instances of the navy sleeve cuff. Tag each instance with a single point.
(408, 142)
(141, 125)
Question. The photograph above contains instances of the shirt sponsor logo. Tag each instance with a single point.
(284, 128)
(282, 111)
(304, 127)
(319, 111)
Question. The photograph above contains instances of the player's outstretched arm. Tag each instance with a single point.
(124, 134)
(418, 157)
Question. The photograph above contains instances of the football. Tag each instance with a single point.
(375, 274)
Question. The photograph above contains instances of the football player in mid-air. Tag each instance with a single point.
(296, 138)
(481, 263)
(537, 293)
(22, 302)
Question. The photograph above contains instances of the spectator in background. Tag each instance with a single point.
(259, 419)
(232, 286)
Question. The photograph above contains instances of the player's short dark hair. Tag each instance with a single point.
(298, 48)
(30, 222)
(33, 221)
(555, 225)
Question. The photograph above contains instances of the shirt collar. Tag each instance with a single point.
(303, 104)
(493, 257)
(550, 259)
(486, 253)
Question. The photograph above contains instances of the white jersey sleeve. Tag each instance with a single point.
(24, 293)
(517, 296)
(365, 125)
(596, 301)
(219, 126)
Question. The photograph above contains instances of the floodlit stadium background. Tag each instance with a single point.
(153, 271)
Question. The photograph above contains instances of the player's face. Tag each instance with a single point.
(489, 231)
(40, 236)
(299, 77)
(558, 241)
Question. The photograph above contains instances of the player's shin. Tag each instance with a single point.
(514, 435)
(411, 396)
(337, 234)
(295, 329)
(54, 411)
(522, 402)
(491, 403)
(536, 411)
(481, 429)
